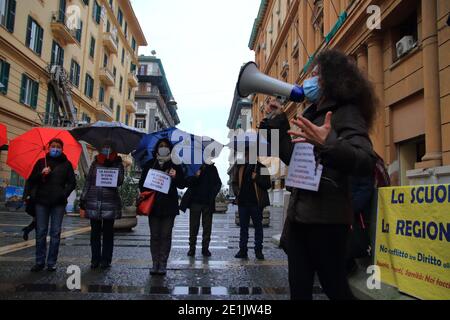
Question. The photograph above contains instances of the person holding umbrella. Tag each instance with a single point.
(54, 180)
(102, 204)
(166, 207)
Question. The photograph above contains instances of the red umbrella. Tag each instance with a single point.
(3, 135)
(27, 149)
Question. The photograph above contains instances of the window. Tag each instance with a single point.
(51, 113)
(108, 26)
(114, 73)
(105, 61)
(86, 2)
(133, 44)
(127, 118)
(57, 54)
(408, 29)
(140, 123)
(126, 30)
(4, 76)
(89, 86)
(34, 36)
(129, 94)
(101, 94)
(92, 48)
(123, 56)
(111, 103)
(8, 14)
(97, 12)
(79, 32)
(85, 118)
(120, 17)
(75, 73)
(29, 91)
(121, 84)
(118, 113)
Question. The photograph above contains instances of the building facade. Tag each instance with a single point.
(91, 44)
(402, 46)
(156, 106)
(239, 120)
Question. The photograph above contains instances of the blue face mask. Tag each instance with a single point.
(106, 152)
(312, 90)
(55, 152)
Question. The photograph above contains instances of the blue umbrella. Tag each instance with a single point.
(190, 150)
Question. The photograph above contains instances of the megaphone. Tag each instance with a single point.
(251, 80)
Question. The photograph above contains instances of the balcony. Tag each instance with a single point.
(62, 33)
(130, 106)
(107, 77)
(110, 42)
(133, 80)
(104, 113)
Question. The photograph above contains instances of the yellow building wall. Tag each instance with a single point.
(18, 117)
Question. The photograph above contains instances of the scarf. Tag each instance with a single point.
(162, 160)
(102, 159)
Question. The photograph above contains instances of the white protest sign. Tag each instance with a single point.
(302, 169)
(158, 181)
(107, 177)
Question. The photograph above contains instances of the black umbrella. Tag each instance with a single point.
(126, 139)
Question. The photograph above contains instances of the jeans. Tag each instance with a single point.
(99, 228)
(245, 213)
(318, 249)
(198, 211)
(160, 237)
(55, 216)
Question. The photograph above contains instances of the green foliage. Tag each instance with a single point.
(129, 191)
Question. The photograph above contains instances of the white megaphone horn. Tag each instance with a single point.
(251, 80)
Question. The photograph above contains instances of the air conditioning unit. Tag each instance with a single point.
(405, 45)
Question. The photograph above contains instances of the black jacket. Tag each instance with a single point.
(262, 183)
(100, 202)
(165, 204)
(347, 152)
(208, 184)
(55, 188)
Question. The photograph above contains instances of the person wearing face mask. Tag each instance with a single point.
(102, 205)
(53, 180)
(337, 122)
(166, 206)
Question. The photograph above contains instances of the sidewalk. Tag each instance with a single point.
(358, 284)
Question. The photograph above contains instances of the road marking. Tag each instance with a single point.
(13, 225)
(31, 243)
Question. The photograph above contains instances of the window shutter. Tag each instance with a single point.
(11, 16)
(77, 74)
(61, 57)
(28, 39)
(4, 77)
(40, 40)
(34, 95)
(23, 89)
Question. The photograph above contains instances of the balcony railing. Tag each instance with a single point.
(59, 120)
(110, 42)
(60, 29)
(104, 112)
(107, 77)
(130, 106)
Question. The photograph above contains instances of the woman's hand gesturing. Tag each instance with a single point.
(311, 133)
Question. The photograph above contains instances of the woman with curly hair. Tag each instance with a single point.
(337, 123)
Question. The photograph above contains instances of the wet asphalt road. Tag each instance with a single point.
(220, 277)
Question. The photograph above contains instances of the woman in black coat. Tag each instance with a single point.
(337, 123)
(52, 180)
(102, 205)
(165, 208)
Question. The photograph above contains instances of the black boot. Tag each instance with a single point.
(191, 252)
(155, 270)
(259, 254)
(242, 254)
(206, 252)
(38, 268)
(162, 271)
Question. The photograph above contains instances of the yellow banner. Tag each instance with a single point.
(413, 240)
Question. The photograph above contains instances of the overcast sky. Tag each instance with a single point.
(202, 44)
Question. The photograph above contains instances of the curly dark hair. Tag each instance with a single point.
(343, 82)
